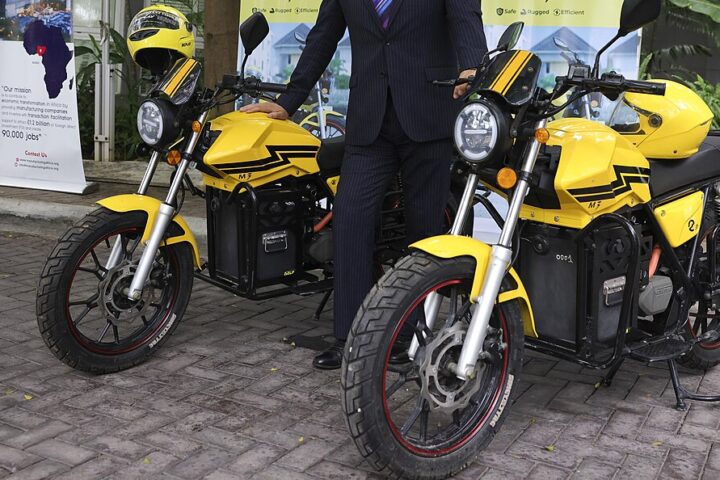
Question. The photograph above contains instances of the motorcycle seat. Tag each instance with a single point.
(669, 175)
(330, 157)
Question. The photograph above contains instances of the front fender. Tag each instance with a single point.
(453, 246)
(151, 206)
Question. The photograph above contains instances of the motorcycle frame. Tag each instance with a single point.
(685, 289)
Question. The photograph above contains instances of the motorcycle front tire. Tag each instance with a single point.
(61, 330)
(364, 368)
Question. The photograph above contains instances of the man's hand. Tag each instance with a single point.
(461, 90)
(272, 109)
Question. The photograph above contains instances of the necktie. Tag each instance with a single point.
(383, 9)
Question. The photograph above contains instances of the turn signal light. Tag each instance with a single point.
(506, 178)
(174, 157)
(542, 135)
(196, 127)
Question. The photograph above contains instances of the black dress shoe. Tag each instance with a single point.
(330, 359)
(399, 351)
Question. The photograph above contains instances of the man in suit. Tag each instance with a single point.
(397, 120)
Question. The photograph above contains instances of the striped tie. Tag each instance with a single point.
(383, 9)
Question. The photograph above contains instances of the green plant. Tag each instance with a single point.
(126, 104)
(710, 94)
(665, 59)
(191, 9)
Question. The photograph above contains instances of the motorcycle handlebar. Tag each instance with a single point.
(272, 87)
(250, 85)
(650, 88)
(616, 84)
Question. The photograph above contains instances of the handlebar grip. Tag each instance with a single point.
(649, 88)
(272, 87)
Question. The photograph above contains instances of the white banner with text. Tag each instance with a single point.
(39, 132)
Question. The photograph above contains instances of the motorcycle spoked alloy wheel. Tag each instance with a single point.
(417, 420)
(84, 315)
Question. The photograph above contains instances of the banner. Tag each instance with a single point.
(583, 27)
(39, 132)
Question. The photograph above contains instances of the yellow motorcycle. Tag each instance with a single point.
(118, 282)
(609, 251)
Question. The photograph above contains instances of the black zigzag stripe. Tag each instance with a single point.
(279, 156)
(626, 176)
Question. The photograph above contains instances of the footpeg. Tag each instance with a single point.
(660, 351)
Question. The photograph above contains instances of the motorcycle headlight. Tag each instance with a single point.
(480, 132)
(156, 122)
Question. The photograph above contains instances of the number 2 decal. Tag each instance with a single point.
(692, 226)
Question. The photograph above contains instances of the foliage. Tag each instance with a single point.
(126, 105)
(710, 94)
(694, 16)
(342, 82)
(665, 59)
(710, 8)
(286, 73)
(337, 66)
(191, 9)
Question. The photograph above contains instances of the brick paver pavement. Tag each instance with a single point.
(226, 399)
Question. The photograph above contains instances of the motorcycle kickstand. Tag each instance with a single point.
(681, 394)
(323, 304)
(608, 378)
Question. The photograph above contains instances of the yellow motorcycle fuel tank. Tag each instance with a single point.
(258, 150)
(599, 172)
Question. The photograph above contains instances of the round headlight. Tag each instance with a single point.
(150, 123)
(477, 130)
(156, 122)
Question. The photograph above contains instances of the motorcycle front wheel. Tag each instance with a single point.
(83, 312)
(416, 419)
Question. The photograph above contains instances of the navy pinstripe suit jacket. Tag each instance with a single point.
(426, 40)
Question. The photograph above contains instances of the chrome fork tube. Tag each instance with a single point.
(116, 253)
(163, 219)
(149, 173)
(499, 262)
(433, 301)
(322, 124)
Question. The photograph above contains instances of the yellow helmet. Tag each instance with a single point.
(159, 36)
(672, 126)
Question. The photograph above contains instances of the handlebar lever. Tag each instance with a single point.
(453, 83)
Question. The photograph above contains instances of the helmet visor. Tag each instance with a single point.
(154, 19)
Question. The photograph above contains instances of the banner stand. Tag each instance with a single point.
(39, 125)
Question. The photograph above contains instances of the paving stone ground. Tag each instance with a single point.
(226, 399)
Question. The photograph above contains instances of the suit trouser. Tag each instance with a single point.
(364, 180)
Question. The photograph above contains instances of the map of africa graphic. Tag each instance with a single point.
(48, 43)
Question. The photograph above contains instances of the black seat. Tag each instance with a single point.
(669, 175)
(331, 156)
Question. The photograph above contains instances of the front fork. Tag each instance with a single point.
(163, 219)
(499, 262)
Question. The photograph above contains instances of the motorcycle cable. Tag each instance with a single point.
(573, 98)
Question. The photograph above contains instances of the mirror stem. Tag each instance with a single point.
(242, 68)
(596, 68)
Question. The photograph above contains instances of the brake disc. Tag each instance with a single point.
(440, 386)
(113, 294)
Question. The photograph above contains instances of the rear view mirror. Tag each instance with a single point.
(510, 36)
(638, 13)
(253, 31)
(561, 44)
